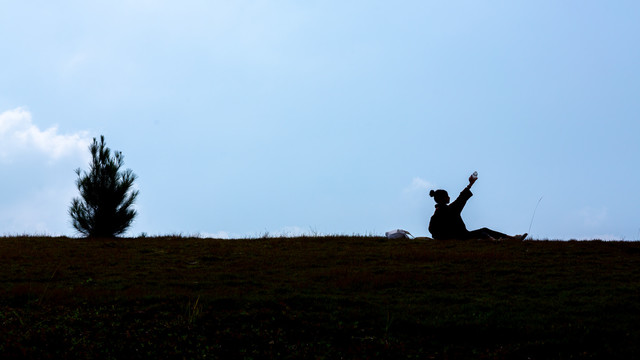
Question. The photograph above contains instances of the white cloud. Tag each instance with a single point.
(287, 231)
(216, 235)
(19, 135)
(418, 184)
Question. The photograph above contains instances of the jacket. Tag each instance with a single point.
(446, 222)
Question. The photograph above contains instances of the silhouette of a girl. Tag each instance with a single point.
(446, 222)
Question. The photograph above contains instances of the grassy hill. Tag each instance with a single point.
(318, 298)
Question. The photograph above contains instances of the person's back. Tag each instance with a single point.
(446, 222)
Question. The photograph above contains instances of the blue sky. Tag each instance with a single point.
(327, 117)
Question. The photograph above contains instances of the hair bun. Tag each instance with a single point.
(432, 193)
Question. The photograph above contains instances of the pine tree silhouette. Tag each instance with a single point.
(104, 208)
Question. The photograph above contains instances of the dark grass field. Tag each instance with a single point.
(318, 298)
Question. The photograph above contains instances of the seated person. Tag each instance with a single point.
(446, 222)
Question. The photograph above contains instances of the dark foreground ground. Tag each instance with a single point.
(318, 298)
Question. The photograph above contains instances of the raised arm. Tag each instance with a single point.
(458, 204)
(472, 179)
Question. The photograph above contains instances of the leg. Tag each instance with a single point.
(486, 233)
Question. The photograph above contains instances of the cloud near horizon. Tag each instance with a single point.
(593, 217)
(39, 211)
(287, 231)
(18, 135)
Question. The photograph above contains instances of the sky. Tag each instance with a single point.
(252, 118)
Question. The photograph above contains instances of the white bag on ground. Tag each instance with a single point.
(398, 234)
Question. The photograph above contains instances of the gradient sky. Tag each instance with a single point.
(326, 117)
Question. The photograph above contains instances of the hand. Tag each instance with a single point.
(472, 179)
